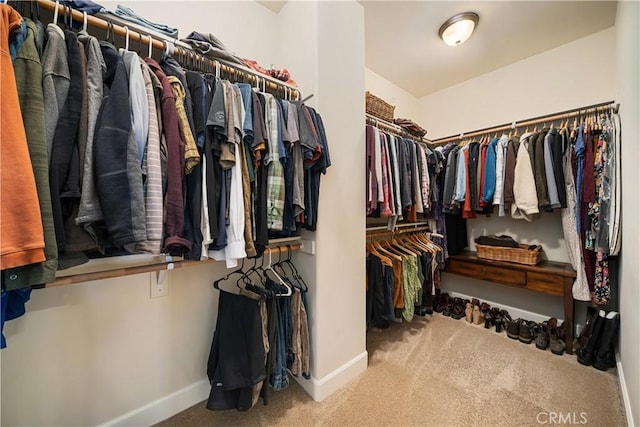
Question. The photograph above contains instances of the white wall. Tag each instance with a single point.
(336, 298)
(87, 353)
(406, 104)
(628, 54)
(245, 27)
(573, 75)
(559, 79)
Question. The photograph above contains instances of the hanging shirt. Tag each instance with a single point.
(191, 154)
(152, 162)
(489, 179)
(385, 209)
(461, 175)
(498, 197)
(524, 188)
(549, 172)
(378, 165)
(424, 178)
(137, 101)
(55, 79)
(26, 104)
(275, 171)
(90, 210)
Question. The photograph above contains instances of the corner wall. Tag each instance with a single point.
(406, 104)
(337, 270)
(628, 68)
(556, 80)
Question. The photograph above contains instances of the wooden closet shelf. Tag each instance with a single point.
(548, 277)
(129, 271)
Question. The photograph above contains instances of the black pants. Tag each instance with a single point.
(236, 360)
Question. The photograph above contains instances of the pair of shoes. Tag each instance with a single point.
(473, 314)
(440, 301)
(527, 331)
(599, 350)
(543, 333)
(522, 330)
(557, 343)
(513, 329)
(468, 312)
(458, 309)
(498, 319)
(505, 318)
(585, 334)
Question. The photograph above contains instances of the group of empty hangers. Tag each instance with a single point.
(394, 248)
(253, 281)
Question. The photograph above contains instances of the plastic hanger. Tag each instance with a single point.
(279, 279)
(293, 268)
(55, 13)
(126, 38)
(150, 54)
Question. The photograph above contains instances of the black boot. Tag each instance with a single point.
(604, 357)
(587, 353)
(583, 339)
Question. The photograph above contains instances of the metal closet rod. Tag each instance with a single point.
(128, 271)
(568, 114)
(397, 232)
(399, 130)
(159, 42)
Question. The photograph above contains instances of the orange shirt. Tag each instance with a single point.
(21, 233)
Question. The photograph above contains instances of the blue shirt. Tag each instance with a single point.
(490, 173)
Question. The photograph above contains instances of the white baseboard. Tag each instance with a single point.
(625, 393)
(170, 405)
(513, 311)
(165, 407)
(320, 389)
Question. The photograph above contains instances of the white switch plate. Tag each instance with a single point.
(159, 283)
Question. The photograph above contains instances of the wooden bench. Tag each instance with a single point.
(548, 277)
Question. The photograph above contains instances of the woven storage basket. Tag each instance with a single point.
(378, 107)
(521, 255)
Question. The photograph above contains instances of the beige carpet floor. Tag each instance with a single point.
(436, 371)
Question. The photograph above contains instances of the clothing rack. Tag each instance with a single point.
(386, 234)
(397, 226)
(161, 42)
(393, 128)
(575, 113)
(168, 265)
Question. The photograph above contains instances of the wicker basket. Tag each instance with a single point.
(378, 107)
(521, 255)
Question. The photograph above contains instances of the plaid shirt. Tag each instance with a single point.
(275, 171)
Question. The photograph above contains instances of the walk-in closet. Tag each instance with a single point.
(371, 213)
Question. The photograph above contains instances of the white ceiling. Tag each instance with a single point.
(403, 46)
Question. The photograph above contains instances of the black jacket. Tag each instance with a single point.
(116, 175)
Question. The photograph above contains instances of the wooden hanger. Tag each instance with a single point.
(372, 250)
(388, 253)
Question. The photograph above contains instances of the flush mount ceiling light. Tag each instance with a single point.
(458, 28)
